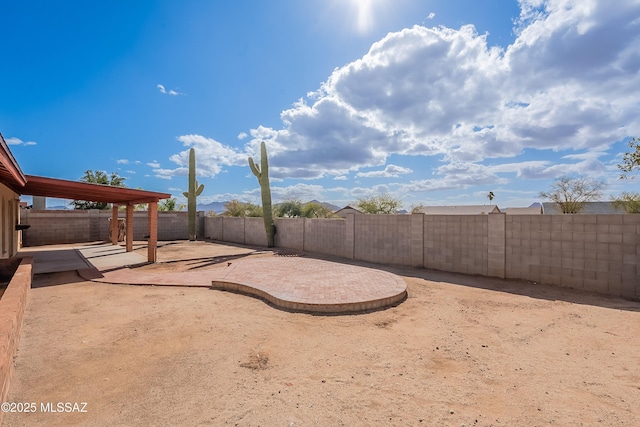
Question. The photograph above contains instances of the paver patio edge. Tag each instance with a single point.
(292, 284)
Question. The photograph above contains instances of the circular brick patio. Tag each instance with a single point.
(290, 283)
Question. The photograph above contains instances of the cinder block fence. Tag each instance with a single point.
(593, 252)
(48, 227)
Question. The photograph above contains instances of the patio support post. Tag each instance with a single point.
(114, 224)
(129, 237)
(153, 231)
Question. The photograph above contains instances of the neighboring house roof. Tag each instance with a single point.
(531, 210)
(590, 208)
(458, 210)
(347, 209)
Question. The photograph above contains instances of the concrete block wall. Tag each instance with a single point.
(95, 219)
(593, 252)
(456, 243)
(55, 227)
(325, 236)
(318, 235)
(290, 233)
(254, 232)
(530, 251)
(140, 225)
(171, 225)
(598, 253)
(496, 240)
(213, 228)
(77, 226)
(384, 239)
(350, 235)
(233, 229)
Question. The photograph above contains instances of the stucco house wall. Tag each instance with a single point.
(9, 217)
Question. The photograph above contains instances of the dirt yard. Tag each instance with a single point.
(460, 350)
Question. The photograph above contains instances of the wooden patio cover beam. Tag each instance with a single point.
(78, 190)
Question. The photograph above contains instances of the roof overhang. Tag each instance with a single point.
(10, 172)
(78, 190)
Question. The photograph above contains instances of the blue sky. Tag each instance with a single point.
(434, 101)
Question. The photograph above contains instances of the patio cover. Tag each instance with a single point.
(12, 176)
(78, 190)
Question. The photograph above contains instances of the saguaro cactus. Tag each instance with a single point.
(262, 173)
(194, 191)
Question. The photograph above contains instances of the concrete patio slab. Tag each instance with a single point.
(108, 255)
(58, 258)
(54, 259)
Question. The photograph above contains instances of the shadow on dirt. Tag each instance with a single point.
(45, 280)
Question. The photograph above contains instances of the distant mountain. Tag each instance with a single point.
(217, 207)
(327, 205)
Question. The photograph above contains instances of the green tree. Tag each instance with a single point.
(316, 210)
(167, 205)
(571, 194)
(416, 208)
(238, 209)
(381, 204)
(629, 202)
(290, 208)
(630, 160)
(98, 177)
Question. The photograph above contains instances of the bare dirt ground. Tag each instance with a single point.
(461, 350)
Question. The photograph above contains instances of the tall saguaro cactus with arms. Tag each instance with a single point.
(262, 173)
(194, 191)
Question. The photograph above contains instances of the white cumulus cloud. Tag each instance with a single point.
(18, 141)
(568, 84)
(211, 157)
(570, 81)
(390, 171)
(168, 92)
